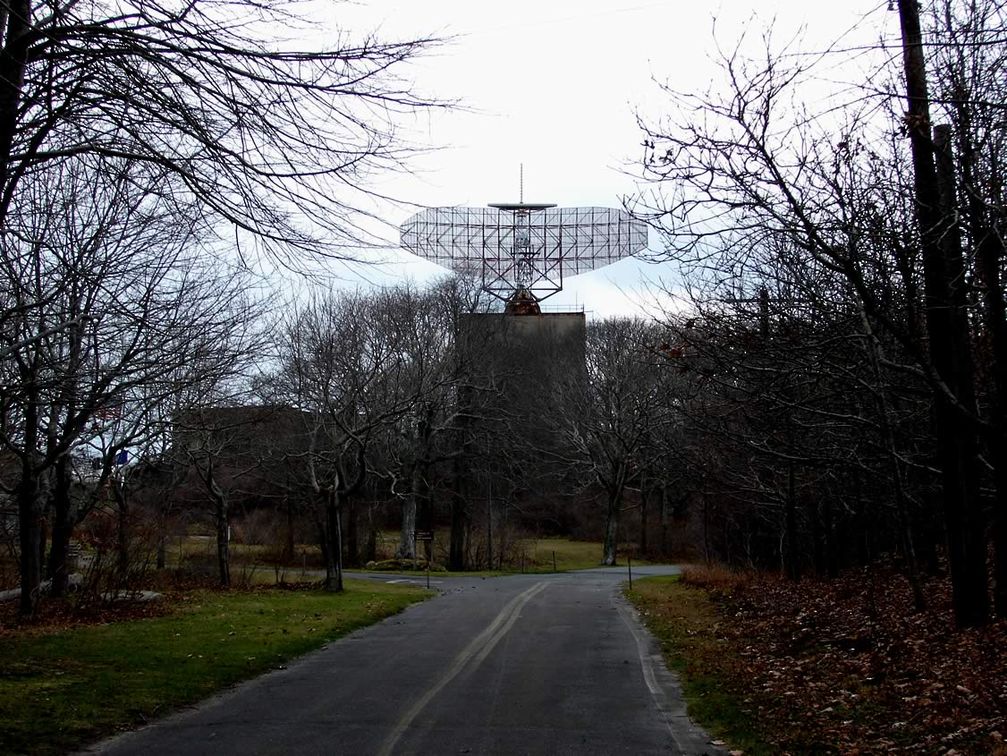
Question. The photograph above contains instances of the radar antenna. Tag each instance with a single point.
(523, 251)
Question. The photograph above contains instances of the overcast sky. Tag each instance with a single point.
(555, 86)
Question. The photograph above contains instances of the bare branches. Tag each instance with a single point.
(278, 141)
(863, 261)
(117, 318)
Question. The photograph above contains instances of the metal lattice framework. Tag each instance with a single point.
(519, 247)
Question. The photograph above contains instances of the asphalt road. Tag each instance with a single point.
(525, 664)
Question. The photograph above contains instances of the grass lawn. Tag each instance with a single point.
(570, 555)
(541, 555)
(530, 555)
(63, 688)
(685, 621)
(523, 554)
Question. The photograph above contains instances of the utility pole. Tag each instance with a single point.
(764, 312)
(948, 335)
(763, 300)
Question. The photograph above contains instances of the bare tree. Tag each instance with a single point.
(109, 296)
(274, 139)
(606, 423)
(754, 179)
(420, 326)
(339, 367)
(232, 448)
(968, 88)
(193, 116)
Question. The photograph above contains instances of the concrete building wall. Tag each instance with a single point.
(531, 370)
(526, 353)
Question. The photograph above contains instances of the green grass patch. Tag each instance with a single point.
(63, 689)
(534, 556)
(521, 555)
(684, 621)
(525, 555)
(572, 555)
(251, 563)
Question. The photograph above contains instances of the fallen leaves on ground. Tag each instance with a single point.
(54, 615)
(847, 663)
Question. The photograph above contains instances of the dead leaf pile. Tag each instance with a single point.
(848, 664)
(56, 615)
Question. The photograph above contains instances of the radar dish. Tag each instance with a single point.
(519, 247)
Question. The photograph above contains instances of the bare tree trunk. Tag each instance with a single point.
(815, 518)
(222, 521)
(901, 504)
(13, 61)
(611, 527)
(989, 258)
(121, 531)
(162, 540)
(29, 503)
(791, 562)
(831, 555)
(459, 494)
(706, 529)
(288, 536)
(334, 542)
(489, 529)
(862, 524)
(947, 329)
(372, 534)
(984, 217)
(990, 255)
(456, 548)
(665, 522)
(29, 535)
(221, 517)
(998, 452)
(407, 536)
(503, 531)
(62, 527)
(643, 518)
(337, 586)
(352, 555)
(960, 455)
